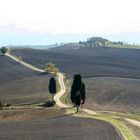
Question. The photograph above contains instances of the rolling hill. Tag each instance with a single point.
(58, 128)
(88, 62)
(19, 85)
(111, 75)
(23, 85)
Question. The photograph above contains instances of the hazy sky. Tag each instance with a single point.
(76, 16)
(72, 16)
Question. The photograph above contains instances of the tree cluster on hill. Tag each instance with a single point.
(117, 43)
(96, 41)
(99, 42)
(92, 42)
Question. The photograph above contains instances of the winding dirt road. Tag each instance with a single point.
(62, 92)
(60, 80)
(24, 63)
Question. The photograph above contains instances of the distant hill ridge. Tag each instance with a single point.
(91, 42)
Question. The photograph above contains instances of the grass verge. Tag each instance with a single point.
(128, 46)
(117, 122)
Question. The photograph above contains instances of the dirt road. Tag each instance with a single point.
(133, 122)
(24, 63)
(58, 128)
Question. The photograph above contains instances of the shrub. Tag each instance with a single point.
(3, 50)
(7, 105)
(50, 67)
(49, 103)
(1, 105)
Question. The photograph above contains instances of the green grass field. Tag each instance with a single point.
(116, 122)
(129, 46)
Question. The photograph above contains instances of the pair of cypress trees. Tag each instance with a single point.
(78, 91)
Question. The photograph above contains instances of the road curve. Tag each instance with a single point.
(61, 92)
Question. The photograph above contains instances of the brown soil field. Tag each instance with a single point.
(111, 75)
(20, 85)
(24, 86)
(113, 93)
(88, 62)
(53, 125)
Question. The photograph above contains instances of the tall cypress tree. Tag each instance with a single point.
(52, 86)
(77, 91)
(83, 94)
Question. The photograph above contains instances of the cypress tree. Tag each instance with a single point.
(52, 87)
(82, 94)
(78, 91)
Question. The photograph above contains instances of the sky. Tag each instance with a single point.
(50, 21)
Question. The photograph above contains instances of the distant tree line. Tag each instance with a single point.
(93, 42)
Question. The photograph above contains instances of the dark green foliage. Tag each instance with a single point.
(97, 41)
(73, 91)
(52, 86)
(77, 82)
(1, 105)
(7, 105)
(83, 93)
(78, 91)
(49, 103)
(3, 50)
(50, 67)
(76, 86)
(94, 39)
